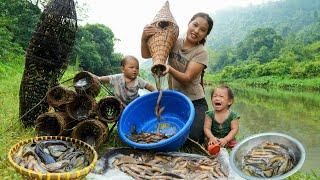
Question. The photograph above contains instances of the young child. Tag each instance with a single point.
(127, 84)
(222, 124)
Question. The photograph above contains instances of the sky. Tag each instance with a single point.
(127, 18)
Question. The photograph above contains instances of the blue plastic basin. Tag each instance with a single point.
(177, 118)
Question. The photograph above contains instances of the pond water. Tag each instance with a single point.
(292, 113)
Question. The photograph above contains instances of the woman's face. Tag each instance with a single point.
(197, 30)
(131, 69)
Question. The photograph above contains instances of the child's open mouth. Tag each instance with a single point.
(217, 104)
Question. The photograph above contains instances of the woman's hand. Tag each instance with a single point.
(148, 31)
(165, 72)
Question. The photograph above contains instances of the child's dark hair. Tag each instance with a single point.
(125, 59)
(209, 20)
(230, 92)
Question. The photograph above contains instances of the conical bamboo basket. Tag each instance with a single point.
(161, 43)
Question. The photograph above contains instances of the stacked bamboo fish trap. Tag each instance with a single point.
(161, 43)
(47, 57)
(77, 114)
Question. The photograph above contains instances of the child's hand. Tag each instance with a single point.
(223, 141)
(212, 141)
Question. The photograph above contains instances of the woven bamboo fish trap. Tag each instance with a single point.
(161, 43)
(54, 124)
(81, 107)
(47, 57)
(59, 95)
(109, 109)
(91, 131)
(86, 83)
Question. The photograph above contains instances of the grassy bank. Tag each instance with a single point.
(11, 130)
(269, 82)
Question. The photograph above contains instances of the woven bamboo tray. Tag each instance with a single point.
(30, 174)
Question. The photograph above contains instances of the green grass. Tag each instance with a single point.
(12, 130)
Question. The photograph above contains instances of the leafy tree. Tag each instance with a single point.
(263, 44)
(94, 49)
(23, 16)
(309, 34)
(8, 49)
(223, 58)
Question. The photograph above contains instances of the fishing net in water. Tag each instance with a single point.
(109, 109)
(161, 43)
(91, 131)
(47, 57)
(81, 107)
(86, 83)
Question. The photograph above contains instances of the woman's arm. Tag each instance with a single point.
(148, 31)
(232, 133)
(192, 71)
(207, 130)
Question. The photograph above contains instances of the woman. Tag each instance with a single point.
(186, 65)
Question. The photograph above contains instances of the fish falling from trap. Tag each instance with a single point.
(160, 45)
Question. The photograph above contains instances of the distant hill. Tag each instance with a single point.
(285, 16)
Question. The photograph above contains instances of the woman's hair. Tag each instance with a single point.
(230, 92)
(209, 20)
(125, 59)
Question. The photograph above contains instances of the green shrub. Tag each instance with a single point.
(273, 69)
(312, 69)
